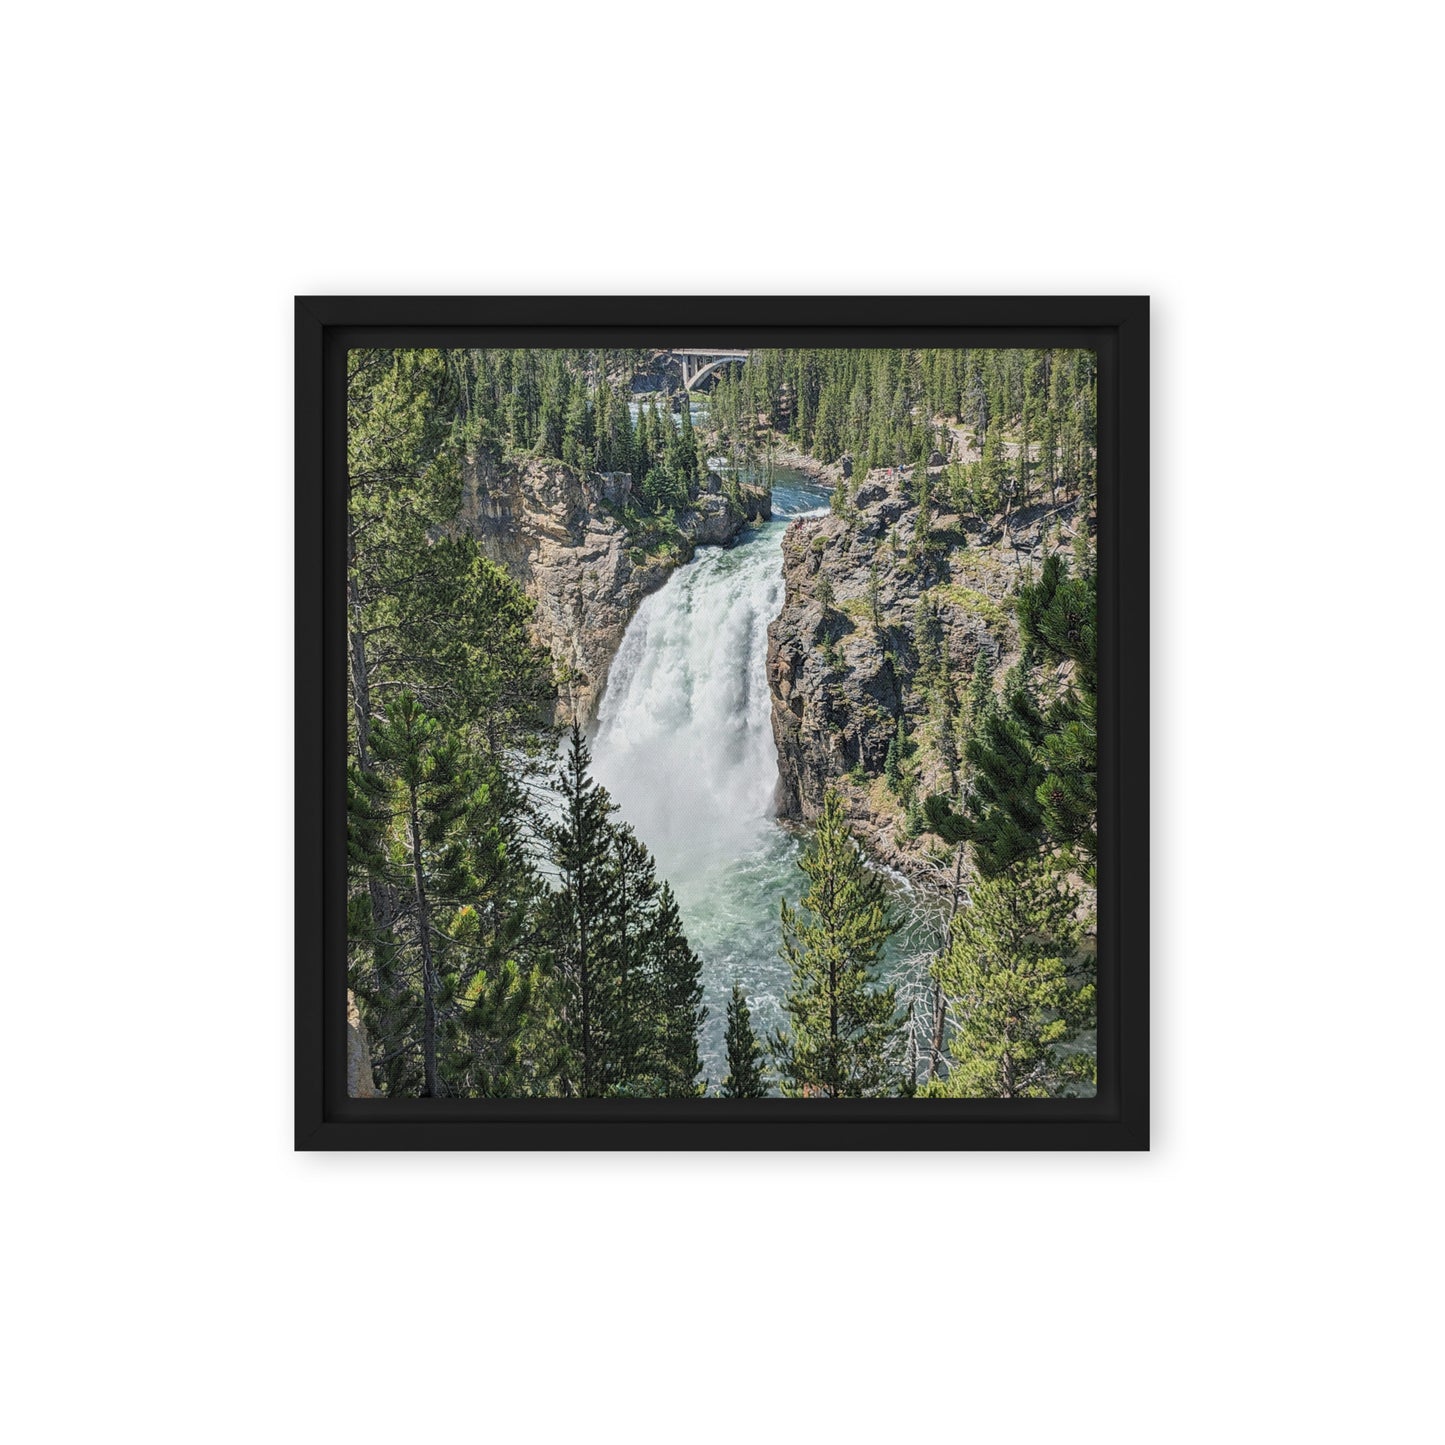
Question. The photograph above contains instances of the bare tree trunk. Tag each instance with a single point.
(935, 1056)
(586, 982)
(356, 638)
(935, 1052)
(624, 972)
(383, 913)
(428, 980)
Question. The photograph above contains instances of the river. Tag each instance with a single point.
(684, 744)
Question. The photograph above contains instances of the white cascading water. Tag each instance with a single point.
(684, 744)
(684, 740)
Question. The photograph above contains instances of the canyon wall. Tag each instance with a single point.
(563, 536)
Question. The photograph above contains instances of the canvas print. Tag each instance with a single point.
(721, 723)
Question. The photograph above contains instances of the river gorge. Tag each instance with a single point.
(683, 742)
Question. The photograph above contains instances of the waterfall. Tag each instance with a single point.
(684, 740)
(684, 744)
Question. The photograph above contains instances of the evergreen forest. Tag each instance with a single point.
(511, 934)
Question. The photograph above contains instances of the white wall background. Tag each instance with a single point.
(174, 174)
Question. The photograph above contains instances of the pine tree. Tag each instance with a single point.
(1022, 484)
(823, 591)
(587, 956)
(1034, 771)
(678, 1007)
(927, 639)
(493, 1032)
(642, 451)
(404, 476)
(630, 984)
(614, 433)
(688, 458)
(923, 496)
(627, 1002)
(1008, 980)
(483, 1018)
(843, 1031)
(1002, 816)
(896, 756)
(428, 616)
(577, 431)
(1059, 616)
(943, 710)
(746, 1077)
(980, 688)
(436, 796)
(679, 452)
(1048, 449)
(992, 472)
(551, 411)
(375, 967)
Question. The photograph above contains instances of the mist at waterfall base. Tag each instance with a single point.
(684, 744)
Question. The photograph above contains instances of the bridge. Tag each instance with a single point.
(698, 362)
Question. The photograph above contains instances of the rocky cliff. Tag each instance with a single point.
(908, 611)
(561, 534)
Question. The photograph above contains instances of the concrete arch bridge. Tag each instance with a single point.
(698, 362)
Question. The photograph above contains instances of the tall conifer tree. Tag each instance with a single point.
(678, 1005)
(630, 984)
(1007, 976)
(586, 955)
(745, 1078)
(843, 1030)
(1059, 615)
(436, 795)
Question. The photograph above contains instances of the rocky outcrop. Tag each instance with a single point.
(842, 675)
(360, 1083)
(562, 536)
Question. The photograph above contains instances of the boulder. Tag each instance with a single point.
(714, 522)
(615, 488)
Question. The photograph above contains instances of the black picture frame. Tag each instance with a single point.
(1117, 328)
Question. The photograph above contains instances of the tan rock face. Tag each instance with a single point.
(557, 533)
(359, 1081)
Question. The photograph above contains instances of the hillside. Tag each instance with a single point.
(911, 609)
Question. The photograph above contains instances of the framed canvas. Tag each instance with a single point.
(722, 723)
